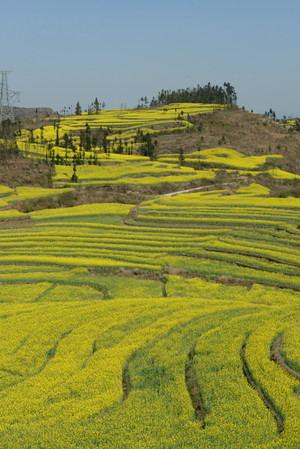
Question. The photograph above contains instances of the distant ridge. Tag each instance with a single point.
(28, 113)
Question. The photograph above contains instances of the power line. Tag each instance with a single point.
(7, 97)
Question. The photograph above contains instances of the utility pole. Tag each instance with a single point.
(6, 98)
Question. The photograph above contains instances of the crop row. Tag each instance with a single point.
(289, 351)
(99, 231)
(217, 267)
(129, 240)
(210, 266)
(283, 259)
(207, 221)
(126, 121)
(277, 383)
(67, 358)
(105, 239)
(224, 157)
(245, 212)
(98, 246)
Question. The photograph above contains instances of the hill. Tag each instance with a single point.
(30, 113)
(126, 136)
(248, 133)
(149, 296)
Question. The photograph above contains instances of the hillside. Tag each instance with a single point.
(251, 134)
(150, 302)
(21, 171)
(32, 113)
(200, 129)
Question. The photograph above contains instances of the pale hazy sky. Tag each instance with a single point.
(64, 51)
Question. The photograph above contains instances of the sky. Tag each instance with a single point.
(61, 52)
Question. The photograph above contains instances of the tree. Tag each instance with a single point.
(57, 134)
(198, 156)
(181, 157)
(271, 114)
(81, 139)
(74, 177)
(78, 109)
(297, 124)
(7, 132)
(119, 147)
(94, 141)
(199, 94)
(230, 95)
(96, 104)
(31, 138)
(104, 143)
(66, 140)
(49, 150)
(88, 141)
(147, 148)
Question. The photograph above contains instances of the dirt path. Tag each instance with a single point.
(261, 393)
(126, 381)
(193, 387)
(277, 357)
(196, 189)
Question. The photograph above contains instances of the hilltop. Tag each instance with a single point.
(236, 128)
(31, 113)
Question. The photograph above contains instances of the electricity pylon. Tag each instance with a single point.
(6, 98)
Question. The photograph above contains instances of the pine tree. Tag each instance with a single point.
(57, 134)
(88, 141)
(74, 177)
(96, 104)
(42, 134)
(78, 109)
(181, 156)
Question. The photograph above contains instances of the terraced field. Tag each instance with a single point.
(127, 121)
(128, 173)
(123, 125)
(224, 157)
(144, 172)
(124, 129)
(231, 160)
(172, 324)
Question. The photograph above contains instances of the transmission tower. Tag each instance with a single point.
(6, 98)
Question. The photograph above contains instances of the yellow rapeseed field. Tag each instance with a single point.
(153, 329)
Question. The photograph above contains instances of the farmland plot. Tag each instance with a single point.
(174, 326)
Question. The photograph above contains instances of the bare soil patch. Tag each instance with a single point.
(16, 223)
(276, 356)
(126, 385)
(25, 172)
(193, 387)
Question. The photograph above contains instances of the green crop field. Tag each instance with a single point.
(171, 324)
